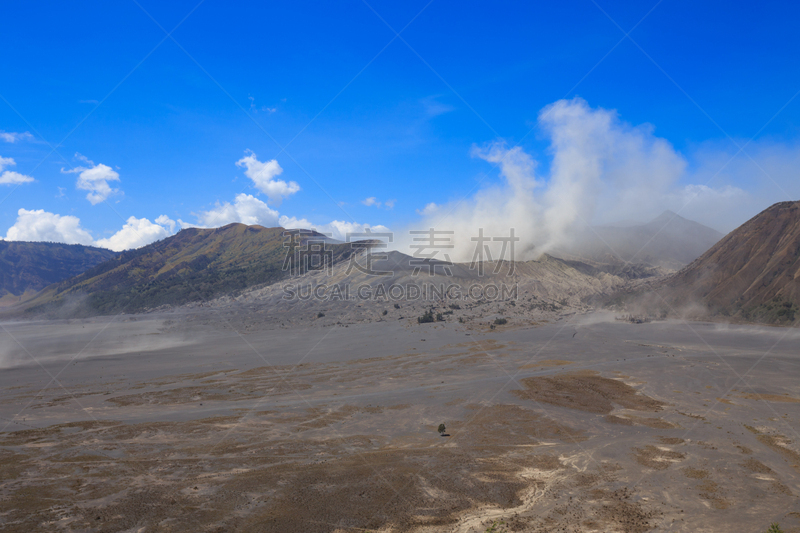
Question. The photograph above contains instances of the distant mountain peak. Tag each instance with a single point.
(668, 241)
(667, 216)
(671, 217)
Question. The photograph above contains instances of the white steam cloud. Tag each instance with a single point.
(602, 170)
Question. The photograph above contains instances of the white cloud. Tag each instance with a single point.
(164, 220)
(246, 209)
(39, 225)
(371, 201)
(336, 229)
(12, 137)
(138, 232)
(262, 175)
(255, 109)
(9, 177)
(374, 202)
(249, 210)
(434, 108)
(94, 179)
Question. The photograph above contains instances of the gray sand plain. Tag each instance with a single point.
(182, 422)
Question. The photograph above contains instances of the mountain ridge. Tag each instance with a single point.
(752, 273)
(194, 264)
(31, 266)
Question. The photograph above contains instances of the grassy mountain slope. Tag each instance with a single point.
(193, 265)
(752, 273)
(32, 266)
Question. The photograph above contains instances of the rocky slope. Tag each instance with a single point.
(518, 293)
(753, 273)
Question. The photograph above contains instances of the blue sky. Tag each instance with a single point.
(362, 113)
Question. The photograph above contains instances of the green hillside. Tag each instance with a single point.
(193, 265)
(32, 266)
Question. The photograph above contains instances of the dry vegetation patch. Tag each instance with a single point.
(779, 443)
(547, 363)
(586, 391)
(510, 425)
(779, 398)
(754, 465)
(628, 516)
(629, 420)
(695, 473)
